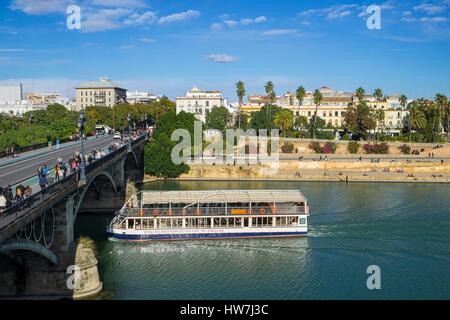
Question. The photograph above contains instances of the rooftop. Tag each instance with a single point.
(222, 196)
(103, 83)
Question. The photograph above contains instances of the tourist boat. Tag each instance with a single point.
(221, 214)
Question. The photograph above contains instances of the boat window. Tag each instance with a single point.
(302, 221)
(130, 223)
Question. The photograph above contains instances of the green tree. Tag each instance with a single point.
(218, 118)
(270, 92)
(284, 120)
(158, 161)
(359, 119)
(263, 119)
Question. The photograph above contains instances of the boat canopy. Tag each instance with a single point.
(222, 196)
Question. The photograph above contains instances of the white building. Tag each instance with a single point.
(134, 97)
(20, 107)
(10, 94)
(200, 102)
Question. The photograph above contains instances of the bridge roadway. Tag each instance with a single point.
(25, 165)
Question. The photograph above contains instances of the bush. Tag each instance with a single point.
(381, 148)
(315, 146)
(405, 149)
(287, 147)
(329, 147)
(353, 147)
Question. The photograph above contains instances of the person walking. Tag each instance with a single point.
(57, 144)
(45, 170)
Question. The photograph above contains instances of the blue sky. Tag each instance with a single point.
(168, 46)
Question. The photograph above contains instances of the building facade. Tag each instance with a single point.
(103, 93)
(333, 107)
(200, 102)
(134, 97)
(10, 94)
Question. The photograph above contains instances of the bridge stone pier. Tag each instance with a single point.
(38, 253)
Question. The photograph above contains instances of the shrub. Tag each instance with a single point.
(287, 147)
(329, 147)
(315, 146)
(405, 149)
(381, 148)
(353, 147)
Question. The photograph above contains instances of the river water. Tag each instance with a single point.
(402, 228)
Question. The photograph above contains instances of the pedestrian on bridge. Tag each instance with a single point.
(28, 192)
(20, 190)
(43, 182)
(57, 172)
(2, 201)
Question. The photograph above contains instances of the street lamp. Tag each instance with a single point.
(81, 126)
(31, 117)
(129, 122)
(145, 118)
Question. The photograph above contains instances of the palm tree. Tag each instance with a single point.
(403, 100)
(378, 94)
(317, 100)
(284, 120)
(360, 94)
(300, 94)
(379, 117)
(270, 93)
(240, 91)
(417, 118)
(442, 103)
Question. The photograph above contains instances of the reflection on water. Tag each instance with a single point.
(403, 228)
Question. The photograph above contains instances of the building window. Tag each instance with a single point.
(309, 113)
(207, 103)
(336, 113)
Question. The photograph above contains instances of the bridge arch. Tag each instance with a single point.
(107, 177)
(28, 245)
(131, 161)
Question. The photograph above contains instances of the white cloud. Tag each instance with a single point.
(179, 16)
(216, 26)
(147, 17)
(333, 12)
(429, 8)
(11, 50)
(147, 40)
(433, 19)
(260, 19)
(279, 32)
(246, 21)
(231, 23)
(39, 7)
(221, 58)
(120, 3)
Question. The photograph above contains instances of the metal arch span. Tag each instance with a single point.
(28, 245)
(86, 188)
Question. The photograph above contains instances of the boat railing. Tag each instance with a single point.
(214, 211)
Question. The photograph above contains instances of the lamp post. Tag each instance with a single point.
(145, 119)
(129, 131)
(81, 126)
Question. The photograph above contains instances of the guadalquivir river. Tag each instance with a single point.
(402, 228)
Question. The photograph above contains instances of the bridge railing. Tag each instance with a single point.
(68, 183)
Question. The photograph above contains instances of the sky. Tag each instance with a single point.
(166, 47)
